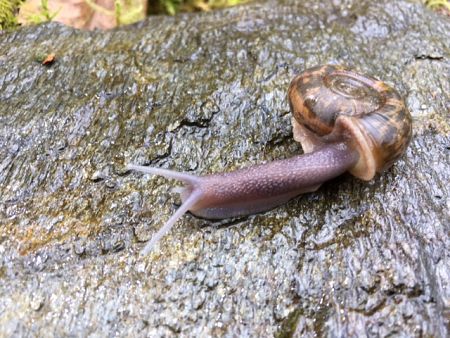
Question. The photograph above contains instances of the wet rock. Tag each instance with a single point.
(206, 93)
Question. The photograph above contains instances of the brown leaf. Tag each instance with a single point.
(49, 59)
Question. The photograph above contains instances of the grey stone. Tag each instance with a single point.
(206, 93)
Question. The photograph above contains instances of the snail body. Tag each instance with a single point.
(345, 122)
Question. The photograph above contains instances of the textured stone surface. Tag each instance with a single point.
(206, 93)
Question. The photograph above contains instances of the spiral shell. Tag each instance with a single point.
(335, 102)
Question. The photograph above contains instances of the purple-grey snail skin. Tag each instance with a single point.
(344, 121)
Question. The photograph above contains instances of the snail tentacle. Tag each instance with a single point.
(176, 175)
(187, 205)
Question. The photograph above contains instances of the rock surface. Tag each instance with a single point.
(204, 93)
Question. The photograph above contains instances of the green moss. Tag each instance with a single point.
(438, 4)
(44, 14)
(8, 11)
(173, 7)
(125, 11)
(290, 324)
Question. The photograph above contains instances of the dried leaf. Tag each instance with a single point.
(49, 59)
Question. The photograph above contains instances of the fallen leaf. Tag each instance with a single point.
(49, 59)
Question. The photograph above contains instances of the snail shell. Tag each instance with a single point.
(329, 102)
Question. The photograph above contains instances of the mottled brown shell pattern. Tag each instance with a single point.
(335, 102)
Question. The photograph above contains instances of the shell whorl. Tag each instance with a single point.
(335, 102)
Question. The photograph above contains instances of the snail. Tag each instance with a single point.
(344, 121)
